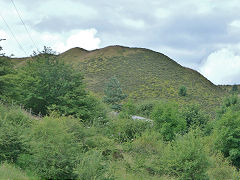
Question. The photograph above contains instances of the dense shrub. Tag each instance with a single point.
(127, 129)
(230, 102)
(234, 88)
(194, 116)
(184, 158)
(168, 120)
(187, 158)
(145, 108)
(227, 135)
(13, 123)
(182, 91)
(221, 168)
(54, 148)
(129, 109)
(93, 166)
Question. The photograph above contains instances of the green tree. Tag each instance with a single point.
(46, 84)
(6, 68)
(227, 130)
(114, 94)
(168, 120)
(182, 91)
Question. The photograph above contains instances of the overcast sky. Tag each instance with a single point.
(200, 34)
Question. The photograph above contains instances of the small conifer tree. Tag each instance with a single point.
(114, 94)
(182, 91)
(234, 88)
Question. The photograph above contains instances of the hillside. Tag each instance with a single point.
(143, 74)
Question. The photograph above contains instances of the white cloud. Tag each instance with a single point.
(83, 38)
(223, 66)
(138, 24)
(162, 13)
(234, 27)
(59, 42)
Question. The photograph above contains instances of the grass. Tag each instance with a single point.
(8, 171)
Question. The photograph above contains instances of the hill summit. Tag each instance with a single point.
(143, 74)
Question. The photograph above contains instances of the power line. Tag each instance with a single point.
(20, 46)
(29, 35)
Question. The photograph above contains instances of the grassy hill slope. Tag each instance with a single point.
(143, 74)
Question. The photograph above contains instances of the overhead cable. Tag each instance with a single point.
(20, 46)
(29, 35)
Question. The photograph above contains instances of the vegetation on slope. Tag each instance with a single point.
(180, 142)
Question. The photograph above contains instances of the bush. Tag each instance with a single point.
(168, 120)
(186, 158)
(54, 148)
(92, 166)
(127, 129)
(230, 102)
(128, 110)
(13, 123)
(227, 133)
(182, 91)
(234, 88)
(221, 168)
(194, 116)
(145, 108)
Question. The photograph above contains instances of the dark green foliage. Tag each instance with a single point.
(6, 69)
(194, 116)
(234, 88)
(47, 81)
(227, 130)
(6, 66)
(13, 123)
(182, 91)
(168, 120)
(114, 94)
